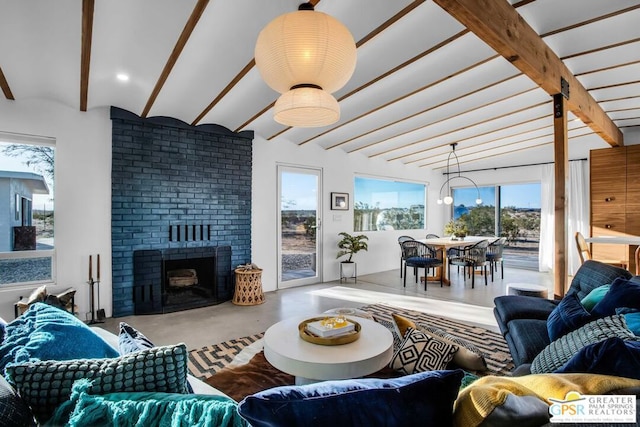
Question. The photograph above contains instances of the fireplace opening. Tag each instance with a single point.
(189, 282)
(181, 278)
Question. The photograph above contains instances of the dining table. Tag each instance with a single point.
(619, 240)
(445, 243)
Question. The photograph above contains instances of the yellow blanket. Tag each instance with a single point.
(478, 400)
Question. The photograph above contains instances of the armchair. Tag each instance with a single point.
(494, 255)
(418, 255)
(400, 240)
(470, 257)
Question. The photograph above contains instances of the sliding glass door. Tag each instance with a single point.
(512, 211)
(299, 238)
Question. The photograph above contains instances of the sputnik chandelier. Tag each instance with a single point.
(448, 199)
(305, 56)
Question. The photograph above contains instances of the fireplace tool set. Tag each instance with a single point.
(97, 316)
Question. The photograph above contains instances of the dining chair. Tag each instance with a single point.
(495, 255)
(419, 255)
(400, 240)
(432, 236)
(470, 257)
(585, 253)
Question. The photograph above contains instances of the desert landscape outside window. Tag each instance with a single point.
(511, 211)
(384, 204)
(26, 212)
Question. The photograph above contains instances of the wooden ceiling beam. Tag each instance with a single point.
(88, 7)
(498, 24)
(189, 26)
(4, 85)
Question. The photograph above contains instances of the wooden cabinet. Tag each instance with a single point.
(615, 199)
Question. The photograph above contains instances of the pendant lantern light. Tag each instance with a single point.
(306, 56)
(451, 176)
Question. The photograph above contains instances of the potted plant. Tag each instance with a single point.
(457, 229)
(350, 245)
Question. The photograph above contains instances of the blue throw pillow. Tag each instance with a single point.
(44, 332)
(422, 397)
(594, 297)
(3, 325)
(623, 293)
(632, 317)
(613, 356)
(568, 316)
(46, 384)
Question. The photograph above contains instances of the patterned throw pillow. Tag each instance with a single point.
(397, 339)
(419, 352)
(46, 384)
(131, 340)
(14, 412)
(468, 355)
(560, 351)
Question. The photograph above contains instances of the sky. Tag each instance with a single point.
(389, 194)
(299, 191)
(16, 164)
(518, 195)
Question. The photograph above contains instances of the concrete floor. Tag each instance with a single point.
(210, 325)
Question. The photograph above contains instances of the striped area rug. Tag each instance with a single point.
(206, 361)
(492, 344)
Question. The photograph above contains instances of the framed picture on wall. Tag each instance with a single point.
(340, 201)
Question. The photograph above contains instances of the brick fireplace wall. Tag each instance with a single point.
(167, 174)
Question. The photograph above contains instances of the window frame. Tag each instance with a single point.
(356, 201)
(19, 139)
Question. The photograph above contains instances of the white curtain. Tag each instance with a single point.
(578, 214)
(578, 210)
(545, 258)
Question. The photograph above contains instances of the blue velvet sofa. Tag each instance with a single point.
(54, 370)
(523, 319)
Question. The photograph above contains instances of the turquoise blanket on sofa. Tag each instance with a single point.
(145, 409)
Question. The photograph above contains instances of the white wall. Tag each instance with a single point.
(82, 193)
(339, 169)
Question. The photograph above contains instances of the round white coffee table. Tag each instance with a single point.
(308, 362)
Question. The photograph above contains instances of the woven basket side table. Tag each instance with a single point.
(248, 287)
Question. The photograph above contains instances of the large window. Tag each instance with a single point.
(381, 204)
(26, 212)
(480, 219)
(512, 211)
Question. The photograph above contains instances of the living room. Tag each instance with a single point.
(83, 151)
(50, 114)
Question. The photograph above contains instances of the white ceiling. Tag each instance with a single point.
(421, 83)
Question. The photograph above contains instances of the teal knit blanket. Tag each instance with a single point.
(145, 409)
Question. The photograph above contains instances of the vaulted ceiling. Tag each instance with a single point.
(423, 80)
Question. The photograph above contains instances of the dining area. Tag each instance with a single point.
(477, 255)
